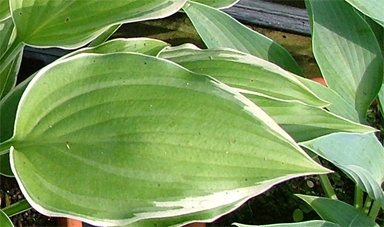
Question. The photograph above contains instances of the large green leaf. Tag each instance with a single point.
(4, 220)
(221, 4)
(361, 156)
(315, 223)
(63, 23)
(244, 71)
(347, 52)
(305, 122)
(4, 9)
(217, 29)
(371, 8)
(117, 138)
(338, 212)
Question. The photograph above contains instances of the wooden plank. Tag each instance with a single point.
(271, 15)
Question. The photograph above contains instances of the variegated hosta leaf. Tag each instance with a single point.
(305, 122)
(243, 71)
(218, 29)
(138, 45)
(337, 105)
(371, 8)
(347, 52)
(221, 4)
(73, 23)
(361, 156)
(338, 212)
(118, 138)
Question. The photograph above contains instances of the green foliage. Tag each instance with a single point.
(135, 132)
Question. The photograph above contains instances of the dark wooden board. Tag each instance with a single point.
(271, 15)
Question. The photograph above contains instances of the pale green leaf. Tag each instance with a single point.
(347, 53)
(4, 220)
(314, 223)
(138, 45)
(244, 71)
(64, 23)
(305, 122)
(371, 8)
(361, 156)
(217, 29)
(337, 104)
(221, 4)
(4, 9)
(338, 212)
(117, 138)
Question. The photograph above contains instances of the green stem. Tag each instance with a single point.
(375, 209)
(359, 198)
(17, 208)
(5, 146)
(104, 36)
(326, 184)
(367, 205)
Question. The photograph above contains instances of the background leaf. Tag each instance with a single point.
(138, 45)
(244, 71)
(170, 142)
(305, 122)
(371, 8)
(347, 53)
(361, 156)
(221, 4)
(217, 29)
(338, 212)
(4, 9)
(59, 18)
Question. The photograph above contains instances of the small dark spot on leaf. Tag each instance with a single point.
(21, 13)
(246, 179)
(145, 63)
(67, 19)
(158, 185)
(252, 81)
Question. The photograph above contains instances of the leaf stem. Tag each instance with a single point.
(17, 208)
(326, 184)
(359, 198)
(375, 209)
(367, 205)
(5, 146)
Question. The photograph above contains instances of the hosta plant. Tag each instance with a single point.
(136, 132)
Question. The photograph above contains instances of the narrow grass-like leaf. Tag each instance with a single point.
(48, 23)
(6, 28)
(220, 4)
(243, 71)
(315, 223)
(305, 122)
(118, 138)
(371, 8)
(361, 156)
(4, 220)
(218, 29)
(347, 52)
(8, 76)
(338, 212)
